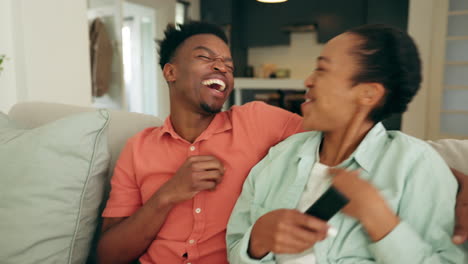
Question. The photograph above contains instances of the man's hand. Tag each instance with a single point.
(461, 209)
(285, 231)
(365, 203)
(198, 173)
(125, 239)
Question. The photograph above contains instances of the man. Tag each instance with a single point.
(174, 186)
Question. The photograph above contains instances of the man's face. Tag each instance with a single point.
(202, 74)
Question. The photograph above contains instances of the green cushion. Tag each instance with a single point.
(51, 186)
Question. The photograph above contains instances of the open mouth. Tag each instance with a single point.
(215, 84)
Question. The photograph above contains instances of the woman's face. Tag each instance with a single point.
(332, 101)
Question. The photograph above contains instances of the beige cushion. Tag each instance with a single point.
(454, 152)
(122, 124)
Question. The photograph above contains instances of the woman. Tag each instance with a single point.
(401, 193)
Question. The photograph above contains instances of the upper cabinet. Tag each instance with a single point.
(270, 24)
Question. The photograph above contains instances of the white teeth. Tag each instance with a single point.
(307, 100)
(222, 85)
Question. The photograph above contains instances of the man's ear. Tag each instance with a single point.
(169, 72)
(371, 94)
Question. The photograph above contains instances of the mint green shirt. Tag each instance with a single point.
(410, 175)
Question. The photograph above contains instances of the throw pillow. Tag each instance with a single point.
(51, 186)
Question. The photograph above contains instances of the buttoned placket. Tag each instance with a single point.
(198, 216)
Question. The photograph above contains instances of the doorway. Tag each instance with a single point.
(139, 58)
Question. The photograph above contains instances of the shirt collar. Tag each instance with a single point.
(220, 123)
(368, 151)
(365, 154)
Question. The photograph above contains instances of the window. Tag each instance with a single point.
(181, 12)
(449, 104)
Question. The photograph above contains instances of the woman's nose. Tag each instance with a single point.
(309, 81)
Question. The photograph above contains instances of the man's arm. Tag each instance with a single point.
(125, 239)
(461, 210)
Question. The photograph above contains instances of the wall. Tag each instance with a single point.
(299, 57)
(8, 94)
(48, 50)
(415, 120)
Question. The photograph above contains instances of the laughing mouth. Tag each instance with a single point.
(216, 84)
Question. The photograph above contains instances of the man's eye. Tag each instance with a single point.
(204, 57)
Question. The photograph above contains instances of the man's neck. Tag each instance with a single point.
(189, 125)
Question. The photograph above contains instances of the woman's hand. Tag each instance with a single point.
(365, 203)
(285, 231)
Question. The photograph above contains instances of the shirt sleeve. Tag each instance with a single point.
(240, 223)
(274, 122)
(427, 213)
(124, 198)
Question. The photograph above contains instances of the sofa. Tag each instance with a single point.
(56, 162)
(84, 145)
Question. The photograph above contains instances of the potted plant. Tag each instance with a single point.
(2, 58)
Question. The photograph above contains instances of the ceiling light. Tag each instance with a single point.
(272, 1)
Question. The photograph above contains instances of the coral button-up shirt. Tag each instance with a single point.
(194, 231)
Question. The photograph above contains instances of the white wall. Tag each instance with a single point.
(48, 51)
(47, 43)
(420, 27)
(300, 56)
(8, 94)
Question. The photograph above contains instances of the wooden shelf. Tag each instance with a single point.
(264, 84)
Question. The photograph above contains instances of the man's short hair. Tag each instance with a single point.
(174, 37)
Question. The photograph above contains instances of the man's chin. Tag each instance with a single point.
(210, 109)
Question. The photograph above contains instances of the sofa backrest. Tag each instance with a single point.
(122, 125)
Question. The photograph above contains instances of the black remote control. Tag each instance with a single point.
(328, 204)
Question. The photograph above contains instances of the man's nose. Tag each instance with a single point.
(219, 65)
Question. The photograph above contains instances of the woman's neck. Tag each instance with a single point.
(338, 145)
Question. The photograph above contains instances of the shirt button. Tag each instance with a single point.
(198, 210)
(192, 148)
(191, 241)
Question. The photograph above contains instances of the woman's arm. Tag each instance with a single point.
(281, 231)
(426, 216)
(240, 225)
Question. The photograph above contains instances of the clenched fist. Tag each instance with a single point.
(197, 173)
